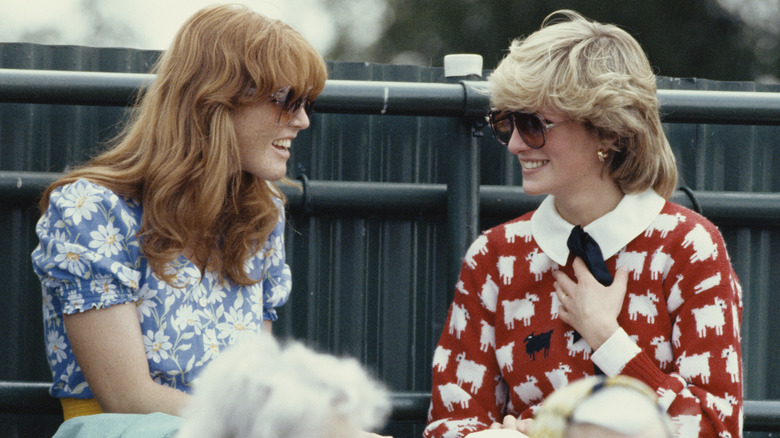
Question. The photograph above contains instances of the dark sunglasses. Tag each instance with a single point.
(289, 108)
(532, 127)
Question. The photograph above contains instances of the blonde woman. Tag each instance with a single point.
(606, 276)
(168, 247)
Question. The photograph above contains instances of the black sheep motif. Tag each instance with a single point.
(536, 343)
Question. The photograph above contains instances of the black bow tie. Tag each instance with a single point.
(582, 245)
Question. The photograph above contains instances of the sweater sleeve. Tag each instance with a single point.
(468, 391)
(703, 392)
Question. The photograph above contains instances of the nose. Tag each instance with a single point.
(516, 143)
(301, 120)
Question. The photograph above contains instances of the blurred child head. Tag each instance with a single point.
(612, 407)
(259, 389)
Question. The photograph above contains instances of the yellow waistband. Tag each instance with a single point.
(78, 407)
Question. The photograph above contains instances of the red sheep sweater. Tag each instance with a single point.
(504, 348)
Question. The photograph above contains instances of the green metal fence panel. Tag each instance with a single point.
(368, 234)
(741, 158)
(42, 138)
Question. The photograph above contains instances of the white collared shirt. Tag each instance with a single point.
(613, 231)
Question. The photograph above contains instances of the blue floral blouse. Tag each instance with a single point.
(89, 258)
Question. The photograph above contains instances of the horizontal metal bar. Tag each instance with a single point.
(393, 199)
(737, 208)
(28, 398)
(339, 96)
(410, 200)
(24, 186)
(760, 415)
(410, 406)
(366, 198)
(70, 88)
(759, 209)
(34, 398)
(723, 107)
(466, 99)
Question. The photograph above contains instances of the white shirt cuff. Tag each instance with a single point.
(497, 433)
(615, 353)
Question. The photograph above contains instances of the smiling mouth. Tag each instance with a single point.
(282, 144)
(533, 164)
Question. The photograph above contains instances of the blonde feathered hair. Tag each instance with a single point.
(598, 74)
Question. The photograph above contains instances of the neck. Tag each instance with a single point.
(584, 208)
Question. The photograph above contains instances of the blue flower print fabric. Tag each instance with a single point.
(89, 258)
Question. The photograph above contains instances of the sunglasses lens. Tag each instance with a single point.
(531, 129)
(288, 108)
(529, 125)
(501, 124)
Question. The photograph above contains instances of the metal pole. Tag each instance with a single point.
(361, 198)
(378, 97)
(463, 184)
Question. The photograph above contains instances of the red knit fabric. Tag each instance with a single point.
(504, 348)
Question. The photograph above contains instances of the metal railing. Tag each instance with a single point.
(462, 200)
(465, 99)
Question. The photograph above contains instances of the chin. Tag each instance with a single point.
(270, 175)
(530, 190)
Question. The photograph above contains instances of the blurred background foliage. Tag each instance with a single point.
(735, 40)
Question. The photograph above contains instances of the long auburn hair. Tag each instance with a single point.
(178, 155)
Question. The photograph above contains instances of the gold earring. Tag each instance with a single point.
(603, 155)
